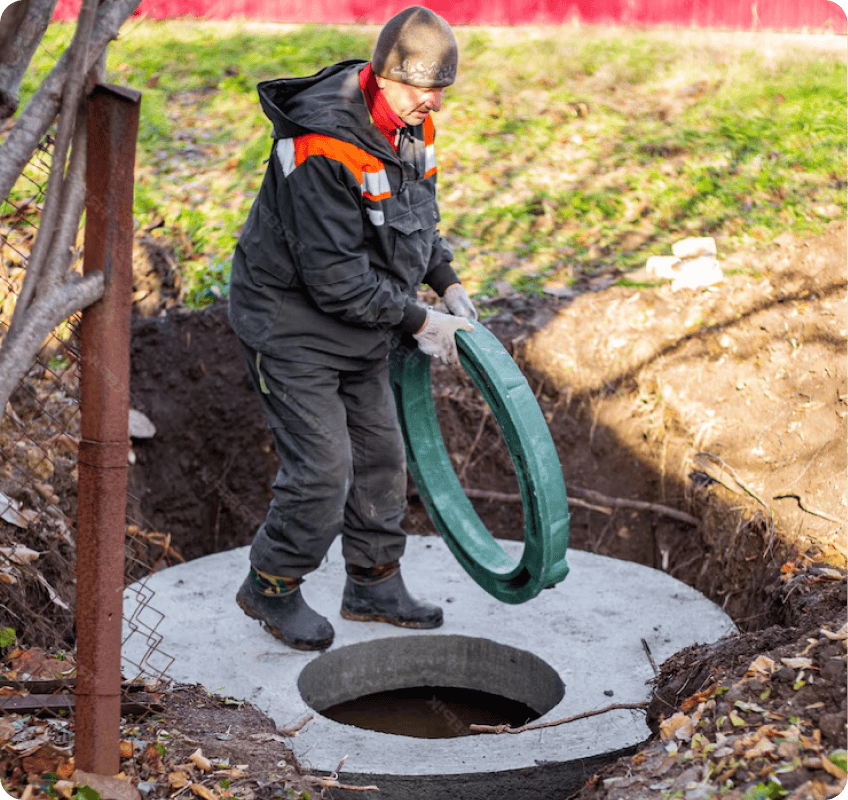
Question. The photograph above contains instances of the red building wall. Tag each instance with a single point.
(813, 15)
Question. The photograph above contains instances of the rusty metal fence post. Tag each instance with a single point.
(113, 114)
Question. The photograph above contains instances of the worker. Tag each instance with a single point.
(324, 286)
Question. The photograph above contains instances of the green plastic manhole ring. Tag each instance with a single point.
(537, 466)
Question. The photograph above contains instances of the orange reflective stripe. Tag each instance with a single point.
(429, 147)
(429, 130)
(353, 157)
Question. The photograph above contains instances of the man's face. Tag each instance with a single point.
(411, 103)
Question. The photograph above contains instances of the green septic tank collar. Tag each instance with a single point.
(537, 466)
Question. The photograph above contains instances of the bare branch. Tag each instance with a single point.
(640, 505)
(61, 253)
(294, 728)
(45, 314)
(56, 181)
(597, 502)
(331, 783)
(19, 145)
(21, 30)
(564, 721)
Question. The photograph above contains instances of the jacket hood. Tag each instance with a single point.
(329, 102)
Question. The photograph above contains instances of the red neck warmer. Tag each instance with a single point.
(384, 118)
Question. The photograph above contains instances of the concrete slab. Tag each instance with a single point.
(588, 629)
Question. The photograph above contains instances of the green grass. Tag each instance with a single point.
(563, 152)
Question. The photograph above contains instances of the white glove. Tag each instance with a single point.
(459, 303)
(436, 337)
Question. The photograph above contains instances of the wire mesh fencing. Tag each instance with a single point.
(39, 444)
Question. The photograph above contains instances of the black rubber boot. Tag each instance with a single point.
(386, 599)
(286, 616)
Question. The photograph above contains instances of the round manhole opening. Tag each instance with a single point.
(430, 686)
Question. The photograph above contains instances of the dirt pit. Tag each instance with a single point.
(701, 432)
(722, 409)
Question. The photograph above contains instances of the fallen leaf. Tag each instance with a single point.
(677, 726)
(835, 765)
(52, 593)
(797, 663)
(126, 748)
(10, 512)
(691, 703)
(9, 575)
(842, 633)
(763, 747)
(819, 790)
(177, 779)
(736, 720)
(107, 787)
(45, 759)
(762, 665)
(811, 742)
(233, 773)
(789, 750)
(200, 761)
(744, 706)
(153, 759)
(19, 554)
(7, 730)
(202, 791)
(39, 664)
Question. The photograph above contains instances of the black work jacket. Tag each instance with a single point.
(343, 230)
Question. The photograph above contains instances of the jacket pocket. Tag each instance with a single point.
(411, 217)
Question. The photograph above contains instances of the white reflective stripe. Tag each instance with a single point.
(430, 158)
(376, 183)
(376, 216)
(285, 152)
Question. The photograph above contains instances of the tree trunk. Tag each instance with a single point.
(44, 314)
(51, 292)
(22, 27)
(54, 204)
(21, 142)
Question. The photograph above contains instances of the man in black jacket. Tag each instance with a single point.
(324, 284)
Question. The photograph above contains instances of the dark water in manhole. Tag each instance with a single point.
(428, 712)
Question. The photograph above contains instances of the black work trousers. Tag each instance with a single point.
(342, 465)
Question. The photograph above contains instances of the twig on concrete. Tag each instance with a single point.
(330, 783)
(650, 657)
(291, 730)
(565, 720)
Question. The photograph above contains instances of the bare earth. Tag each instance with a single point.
(726, 404)
(710, 425)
